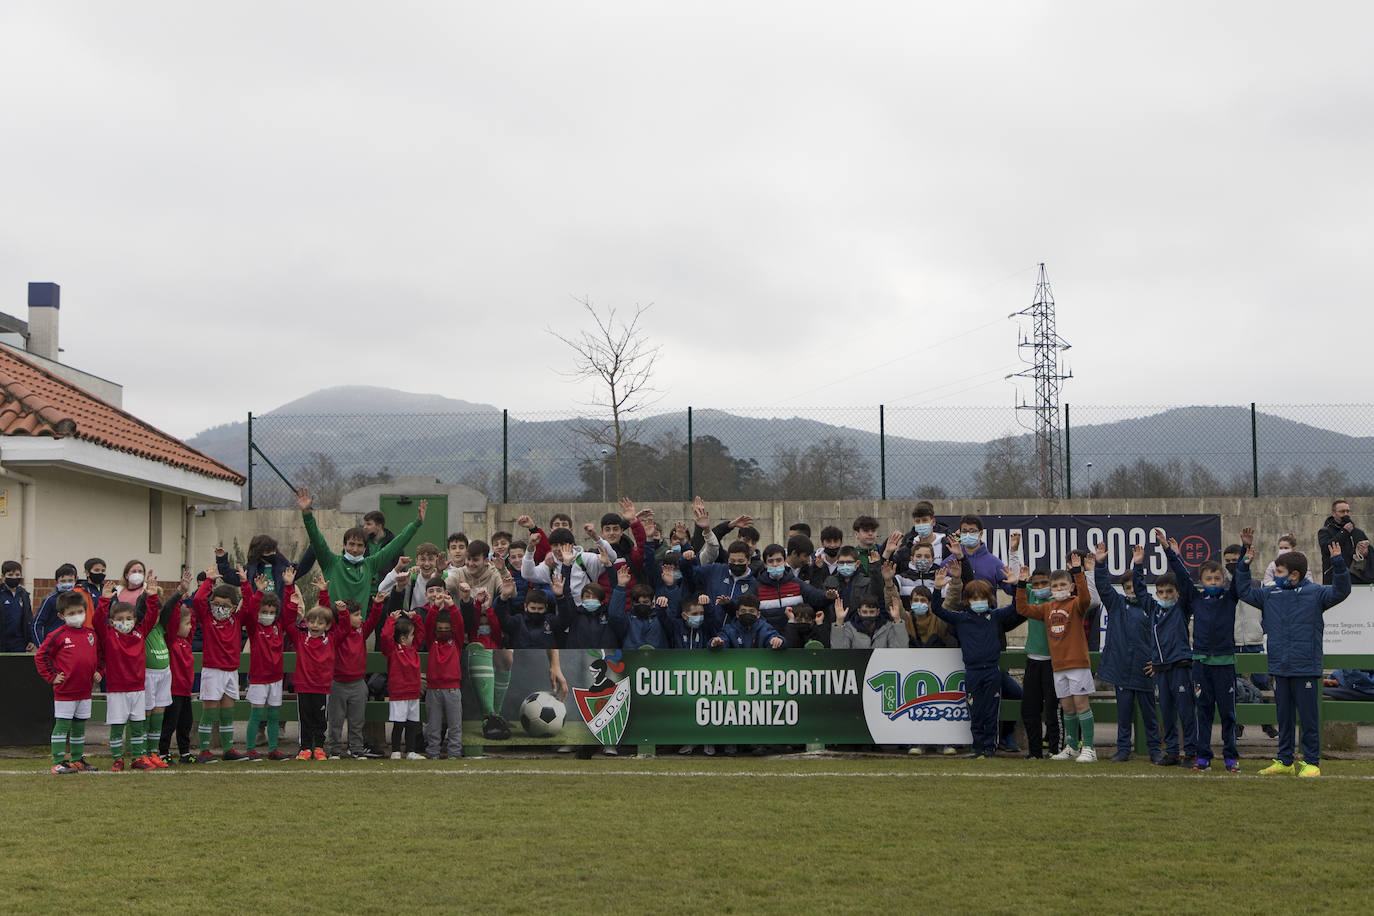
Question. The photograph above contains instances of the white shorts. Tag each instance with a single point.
(404, 710)
(71, 709)
(265, 694)
(1073, 682)
(124, 707)
(217, 684)
(157, 688)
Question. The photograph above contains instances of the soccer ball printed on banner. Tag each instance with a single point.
(542, 714)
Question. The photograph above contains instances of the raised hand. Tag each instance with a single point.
(1100, 551)
(111, 589)
(703, 600)
(590, 529)
(288, 576)
(481, 595)
(1138, 554)
(150, 582)
(320, 582)
(1334, 549)
(889, 570)
(464, 591)
(525, 521)
(1247, 536)
(402, 563)
(303, 499)
(1014, 541)
(260, 583)
(242, 573)
(1160, 537)
(791, 616)
(941, 577)
(840, 611)
(700, 516)
(622, 576)
(953, 546)
(1024, 575)
(340, 606)
(420, 513)
(1012, 575)
(894, 540)
(219, 551)
(557, 584)
(666, 573)
(185, 586)
(741, 521)
(1173, 544)
(627, 507)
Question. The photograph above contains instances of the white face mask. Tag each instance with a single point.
(123, 626)
(76, 620)
(266, 619)
(65, 586)
(135, 580)
(1060, 594)
(349, 558)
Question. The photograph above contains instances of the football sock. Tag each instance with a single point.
(479, 668)
(60, 730)
(137, 748)
(117, 741)
(226, 729)
(207, 725)
(273, 727)
(1085, 727)
(1070, 729)
(502, 685)
(255, 715)
(78, 739)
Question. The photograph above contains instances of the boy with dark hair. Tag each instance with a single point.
(866, 538)
(47, 619)
(986, 565)
(443, 674)
(402, 635)
(799, 528)
(800, 554)
(179, 623)
(582, 567)
(782, 596)
(1124, 660)
(724, 583)
(1293, 623)
(68, 660)
(646, 624)
(16, 610)
(120, 637)
(94, 583)
(1171, 659)
(457, 547)
(1039, 705)
(849, 583)
(748, 630)
(867, 627)
(979, 627)
(353, 573)
(221, 622)
(348, 690)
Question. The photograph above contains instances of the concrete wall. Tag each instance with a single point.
(231, 528)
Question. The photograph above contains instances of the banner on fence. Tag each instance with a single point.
(879, 696)
(1047, 540)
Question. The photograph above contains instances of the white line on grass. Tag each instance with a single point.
(593, 771)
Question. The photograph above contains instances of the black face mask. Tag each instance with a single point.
(644, 611)
(268, 557)
(831, 552)
(867, 623)
(1231, 567)
(738, 569)
(12, 582)
(533, 619)
(98, 579)
(747, 620)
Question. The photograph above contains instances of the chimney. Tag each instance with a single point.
(43, 305)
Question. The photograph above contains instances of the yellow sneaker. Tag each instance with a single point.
(1308, 770)
(1277, 768)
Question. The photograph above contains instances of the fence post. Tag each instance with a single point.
(1254, 451)
(690, 483)
(505, 456)
(1068, 458)
(882, 453)
(250, 459)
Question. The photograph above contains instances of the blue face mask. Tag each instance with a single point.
(676, 548)
(920, 610)
(694, 621)
(978, 607)
(1214, 591)
(591, 604)
(776, 571)
(845, 569)
(1040, 594)
(1285, 582)
(1166, 604)
(969, 541)
(923, 531)
(677, 577)
(349, 558)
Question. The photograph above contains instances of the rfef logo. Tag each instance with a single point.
(921, 696)
(1194, 551)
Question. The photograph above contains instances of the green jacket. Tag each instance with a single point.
(353, 581)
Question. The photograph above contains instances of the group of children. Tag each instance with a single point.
(635, 585)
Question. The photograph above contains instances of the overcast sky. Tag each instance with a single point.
(246, 203)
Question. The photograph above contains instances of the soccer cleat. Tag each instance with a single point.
(1271, 731)
(687, 750)
(916, 751)
(494, 728)
(1201, 764)
(1068, 753)
(81, 766)
(412, 755)
(1308, 770)
(206, 757)
(319, 754)
(1168, 760)
(369, 753)
(709, 750)
(1232, 765)
(564, 749)
(251, 754)
(948, 750)
(610, 752)
(275, 754)
(142, 763)
(1121, 757)
(187, 758)
(118, 766)
(62, 769)
(1087, 755)
(232, 755)
(157, 761)
(305, 755)
(1277, 768)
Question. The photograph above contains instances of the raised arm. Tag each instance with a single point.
(1339, 589)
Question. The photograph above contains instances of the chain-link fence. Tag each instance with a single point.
(817, 453)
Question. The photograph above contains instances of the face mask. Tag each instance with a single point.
(644, 611)
(830, 552)
(266, 619)
(677, 577)
(76, 620)
(96, 579)
(694, 621)
(676, 548)
(1131, 599)
(12, 582)
(1166, 604)
(221, 613)
(1231, 567)
(845, 569)
(1213, 591)
(1060, 594)
(978, 607)
(1040, 594)
(135, 580)
(923, 530)
(969, 541)
(349, 558)
(867, 623)
(1285, 582)
(591, 604)
(737, 569)
(123, 626)
(777, 571)
(443, 637)
(921, 564)
(65, 586)
(920, 610)
(747, 620)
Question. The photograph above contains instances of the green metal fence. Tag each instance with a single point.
(875, 452)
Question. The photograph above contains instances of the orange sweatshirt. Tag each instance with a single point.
(1063, 624)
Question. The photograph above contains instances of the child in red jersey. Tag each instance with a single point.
(179, 625)
(68, 660)
(266, 639)
(221, 621)
(314, 670)
(443, 672)
(348, 691)
(402, 635)
(123, 662)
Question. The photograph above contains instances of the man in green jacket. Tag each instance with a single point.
(353, 573)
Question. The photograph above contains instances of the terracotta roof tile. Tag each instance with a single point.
(35, 402)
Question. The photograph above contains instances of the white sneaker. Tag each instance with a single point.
(610, 752)
(1068, 753)
(949, 751)
(414, 756)
(395, 755)
(1089, 755)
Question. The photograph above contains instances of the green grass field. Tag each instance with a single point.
(663, 835)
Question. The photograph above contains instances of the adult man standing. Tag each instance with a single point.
(1354, 543)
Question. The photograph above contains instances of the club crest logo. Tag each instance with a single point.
(90, 638)
(605, 706)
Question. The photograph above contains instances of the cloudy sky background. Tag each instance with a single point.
(245, 204)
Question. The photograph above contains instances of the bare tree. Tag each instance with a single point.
(616, 355)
